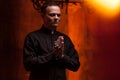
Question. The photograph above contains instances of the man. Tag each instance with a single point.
(47, 52)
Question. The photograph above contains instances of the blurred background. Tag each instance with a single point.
(93, 26)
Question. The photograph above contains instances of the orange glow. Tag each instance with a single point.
(106, 8)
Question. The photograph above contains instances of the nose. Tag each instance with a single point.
(56, 16)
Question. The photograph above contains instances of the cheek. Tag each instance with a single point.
(49, 19)
(59, 18)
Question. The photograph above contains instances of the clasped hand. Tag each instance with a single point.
(59, 47)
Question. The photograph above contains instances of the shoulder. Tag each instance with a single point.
(32, 34)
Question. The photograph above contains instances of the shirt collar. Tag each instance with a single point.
(48, 31)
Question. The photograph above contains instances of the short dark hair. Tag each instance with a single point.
(46, 4)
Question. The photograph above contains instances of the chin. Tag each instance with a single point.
(55, 25)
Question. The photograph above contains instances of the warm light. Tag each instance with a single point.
(107, 8)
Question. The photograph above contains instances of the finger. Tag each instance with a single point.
(61, 38)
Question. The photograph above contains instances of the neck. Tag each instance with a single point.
(50, 27)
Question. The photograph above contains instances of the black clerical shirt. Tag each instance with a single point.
(39, 58)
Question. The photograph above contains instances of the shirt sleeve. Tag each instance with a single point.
(71, 58)
(30, 57)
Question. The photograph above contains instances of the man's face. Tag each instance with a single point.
(52, 16)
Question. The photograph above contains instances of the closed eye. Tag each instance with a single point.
(53, 14)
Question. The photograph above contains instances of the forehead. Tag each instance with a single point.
(53, 9)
